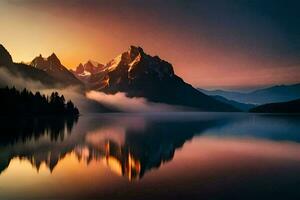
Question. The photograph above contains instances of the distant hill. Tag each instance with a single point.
(273, 94)
(282, 107)
(236, 104)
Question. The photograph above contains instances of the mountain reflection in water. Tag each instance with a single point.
(130, 145)
(172, 155)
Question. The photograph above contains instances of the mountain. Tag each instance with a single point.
(87, 69)
(54, 68)
(236, 104)
(21, 75)
(87, 73)
(282, 107)
(11, 70)
(273, 94)
(141, 75)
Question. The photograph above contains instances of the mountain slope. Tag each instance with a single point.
(54, 68)
(236, 104)
(141, 75)
(282, 107)
(262, 96)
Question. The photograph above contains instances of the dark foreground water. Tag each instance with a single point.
(151, 156)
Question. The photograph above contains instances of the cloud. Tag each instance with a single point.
(91, 102)
(9, 79)
(70, 93)
(121, 102)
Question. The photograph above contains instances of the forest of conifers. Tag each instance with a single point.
(25, 102)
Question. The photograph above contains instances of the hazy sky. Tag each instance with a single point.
(211, 43)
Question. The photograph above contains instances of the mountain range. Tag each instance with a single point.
(133, 72)
(279, 93)
(138, 74)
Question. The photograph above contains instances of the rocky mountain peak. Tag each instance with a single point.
(79, 69)
(135, 51)
(135, 63)
(53, 59)
(90, 67)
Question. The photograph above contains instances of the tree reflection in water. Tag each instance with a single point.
(14, 130)
(18, 137)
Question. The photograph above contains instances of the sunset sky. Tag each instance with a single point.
(211, 44)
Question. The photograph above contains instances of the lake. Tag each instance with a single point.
(151, 156)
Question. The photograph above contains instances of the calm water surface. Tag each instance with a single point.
(151, 156)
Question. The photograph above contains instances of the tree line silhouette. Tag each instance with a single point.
(22, 129)
(15, 102)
